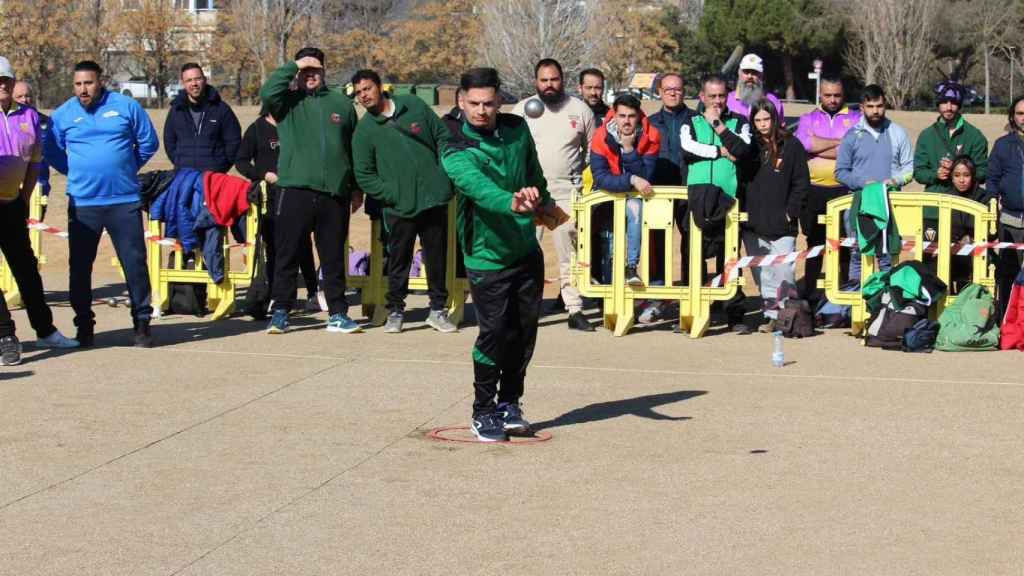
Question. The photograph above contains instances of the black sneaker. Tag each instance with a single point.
(512, 418)
(579, 322)
(85, 336)
(10, 350)
(143, 339)
(488, 427)
(632, 277)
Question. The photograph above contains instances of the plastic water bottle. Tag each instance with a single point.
(778, 358)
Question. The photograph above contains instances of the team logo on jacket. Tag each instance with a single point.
(110, 114)
(415, 128)
(25, 127)
(574, 121)
(335, 118)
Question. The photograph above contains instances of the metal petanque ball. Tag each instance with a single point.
(534, 108)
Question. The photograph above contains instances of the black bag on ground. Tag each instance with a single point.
(257, 295)
(921, 336)
(796, 319)
(188, 299)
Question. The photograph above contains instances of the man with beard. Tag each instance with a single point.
(201, 131)
(950, 136)
(821, 131)
(563, 133)
(750, 88)
(592, 92)
(875, 150)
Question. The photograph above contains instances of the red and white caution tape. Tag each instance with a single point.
(149, 236)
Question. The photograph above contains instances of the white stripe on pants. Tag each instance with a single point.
(769, 278)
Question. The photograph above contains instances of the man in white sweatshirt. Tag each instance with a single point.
(562, 132)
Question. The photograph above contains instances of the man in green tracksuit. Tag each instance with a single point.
(396, 150)
(314, 126)
(939, 144)
(501, 188)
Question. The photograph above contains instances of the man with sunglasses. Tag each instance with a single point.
(316, 181)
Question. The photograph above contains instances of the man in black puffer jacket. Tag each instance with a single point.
(201, 131)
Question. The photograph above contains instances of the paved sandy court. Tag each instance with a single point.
(226, 451)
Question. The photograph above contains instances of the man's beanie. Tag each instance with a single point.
(949, 91)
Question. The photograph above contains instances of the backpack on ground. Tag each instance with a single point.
(795, 319)
(832, 315)
(898, 299)
(187, 299)
(921, 336)
(969, 323)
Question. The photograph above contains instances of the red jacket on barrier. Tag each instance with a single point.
(226, 197)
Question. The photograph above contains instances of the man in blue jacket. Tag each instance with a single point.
(101, 139)
(201, 131)
(1006, 181)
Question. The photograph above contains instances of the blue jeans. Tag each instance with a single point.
(634, 230)
(123, 222)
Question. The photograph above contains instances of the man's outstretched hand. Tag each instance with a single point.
(526, 200)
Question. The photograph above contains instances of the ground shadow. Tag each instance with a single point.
(18, 374)
(642, 406)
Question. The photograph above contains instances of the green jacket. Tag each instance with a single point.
(315, 131)
(487, 169)
(698, 137)
(936, 142)
(401, 169)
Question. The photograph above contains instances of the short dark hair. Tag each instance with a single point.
(871, 93)
(310, 51)
(191, 66)
(544, 63)
(366, 74)
(591, 72)
(627, 100)
(711, 79)
(480, 78)
(831, 79)
(89, 66)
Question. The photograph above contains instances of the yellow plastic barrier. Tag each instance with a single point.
(220, 298)
(694, 300)
(7, 283)
(908, 209)
(374, 286)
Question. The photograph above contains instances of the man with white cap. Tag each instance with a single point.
(20, 153)
(750, 88)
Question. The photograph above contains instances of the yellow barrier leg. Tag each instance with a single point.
(161, 294)
(373, 293)
(623, 303)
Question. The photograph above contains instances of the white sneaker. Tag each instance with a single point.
(650, 313)
(56, 340)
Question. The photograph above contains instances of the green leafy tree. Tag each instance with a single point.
(788, 28)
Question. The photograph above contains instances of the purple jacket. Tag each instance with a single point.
(20, 146)
(738, 107)
(820, 124)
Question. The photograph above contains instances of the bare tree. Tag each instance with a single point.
(518, 33)
(892, 44)
(153, 36)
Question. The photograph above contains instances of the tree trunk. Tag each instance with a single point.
(787, 72)
(987, 99)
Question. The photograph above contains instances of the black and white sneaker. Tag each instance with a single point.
(488, 428)
(512, 418)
